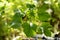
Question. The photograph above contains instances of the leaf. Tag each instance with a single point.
(26, 25)
(43, 8)
(46, 25)
(39, 31)
(43, 16)
(34, 27)
(28, 31)
(30, 5)
(32, 13)
(16, 25)
(18, 12)
(47, 28)
(47, 32)
(18, 16)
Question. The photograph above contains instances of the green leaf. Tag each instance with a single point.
(32, 13)
(43, 16)
(39, 31)
(28, 31)
(16, 25)
(34, 27)
(26, 25)
(30, 5)
(46, 24)
(43, 8)
(17, 16)
(47, 32)
(47, 28)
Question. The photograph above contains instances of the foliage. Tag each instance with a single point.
(17, 13)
